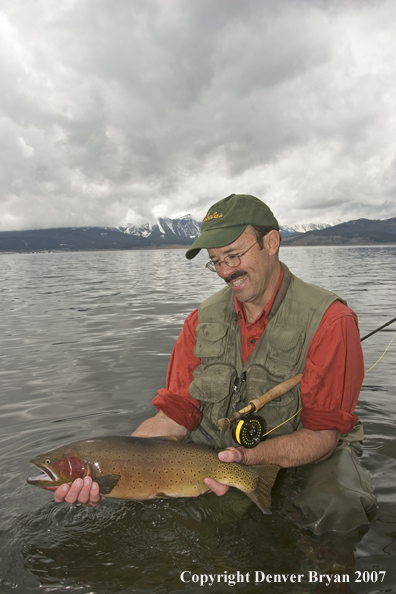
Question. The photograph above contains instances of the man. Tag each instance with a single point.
(265, 326)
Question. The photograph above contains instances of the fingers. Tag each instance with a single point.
(231, 455)
(216, 487)
(61, 492)
(228, 455)
(95, 497)
(85, 492)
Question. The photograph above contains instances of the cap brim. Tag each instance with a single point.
(214, 238)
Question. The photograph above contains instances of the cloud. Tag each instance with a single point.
(123, 111)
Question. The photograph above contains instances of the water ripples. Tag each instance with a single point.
(85, 346)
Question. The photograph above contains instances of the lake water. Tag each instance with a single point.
(86, 339)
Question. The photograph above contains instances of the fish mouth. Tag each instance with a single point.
(46, 476)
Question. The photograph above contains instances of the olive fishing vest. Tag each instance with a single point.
(223, 384)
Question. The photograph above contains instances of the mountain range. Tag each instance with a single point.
(182, 231)
(357, 232)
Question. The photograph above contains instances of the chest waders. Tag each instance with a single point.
(222, 383)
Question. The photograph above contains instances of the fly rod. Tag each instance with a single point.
(378, 329)
(259, 402)
(252, 425)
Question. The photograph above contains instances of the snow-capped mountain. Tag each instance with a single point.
(286, 231)
(183, 226)
(187, 227)
(182, 232)
(144, 230)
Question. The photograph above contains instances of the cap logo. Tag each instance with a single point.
(215, 215)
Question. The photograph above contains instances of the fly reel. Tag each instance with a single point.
(249, 431)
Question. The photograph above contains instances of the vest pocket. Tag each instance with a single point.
(212, 386)
(212, 383)
(260, 382)
(285, 352)
(210, 340)
(276, 412)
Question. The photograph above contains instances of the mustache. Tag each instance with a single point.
(234, 275)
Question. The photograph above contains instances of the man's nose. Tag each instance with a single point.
(224, 270)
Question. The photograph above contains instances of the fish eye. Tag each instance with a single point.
(47, 461)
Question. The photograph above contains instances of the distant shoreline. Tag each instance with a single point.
(185, 247)
(334, 244)
(137, 249)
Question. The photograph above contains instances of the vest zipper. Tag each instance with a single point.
(235, 399)
(239, 385)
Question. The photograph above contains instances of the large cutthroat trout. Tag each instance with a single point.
(150, 468)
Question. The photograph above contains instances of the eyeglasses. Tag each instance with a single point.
(232, 260)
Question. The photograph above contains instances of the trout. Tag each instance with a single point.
(140, 468)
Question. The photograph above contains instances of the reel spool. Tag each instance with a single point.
(249, 431)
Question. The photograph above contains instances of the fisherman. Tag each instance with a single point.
(264, 327)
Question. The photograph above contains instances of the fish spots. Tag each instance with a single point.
(154, 468)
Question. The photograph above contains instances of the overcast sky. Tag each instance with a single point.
(119, 111)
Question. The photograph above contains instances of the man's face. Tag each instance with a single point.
(250, 279)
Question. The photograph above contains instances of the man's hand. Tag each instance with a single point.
(228, 455)
(233, 455)
(294, 449)
(83, 491)
(86, 492)
(160, 426)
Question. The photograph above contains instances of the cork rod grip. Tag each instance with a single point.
(259, 402)
(275, 392)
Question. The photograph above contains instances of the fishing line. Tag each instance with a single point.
(268, 432)
(394, 336)
(374, 332)
(250, 429)
(381, 355)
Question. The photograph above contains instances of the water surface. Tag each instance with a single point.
(86, 339)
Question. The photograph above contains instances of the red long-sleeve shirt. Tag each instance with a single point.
(331, 380)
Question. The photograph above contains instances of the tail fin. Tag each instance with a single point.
(261, 496)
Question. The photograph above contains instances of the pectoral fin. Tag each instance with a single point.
(107, 483)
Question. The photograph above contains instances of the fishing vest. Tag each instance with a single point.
(223, 384)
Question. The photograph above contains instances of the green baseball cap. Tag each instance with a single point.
(228, 218)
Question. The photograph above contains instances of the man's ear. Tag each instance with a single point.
(272, 242)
